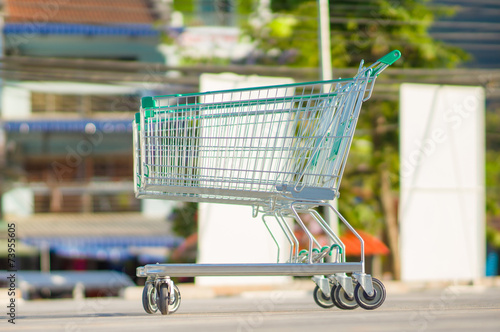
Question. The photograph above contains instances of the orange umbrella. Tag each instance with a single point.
(373, 246)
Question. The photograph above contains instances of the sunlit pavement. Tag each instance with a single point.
(452, 308)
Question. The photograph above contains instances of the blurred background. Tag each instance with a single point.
(73, 72)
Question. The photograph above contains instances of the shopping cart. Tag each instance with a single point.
(280, 149)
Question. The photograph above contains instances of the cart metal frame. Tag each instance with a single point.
(281, 149)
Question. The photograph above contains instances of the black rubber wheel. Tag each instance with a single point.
(149, 297)
(342, 300)
(175, 301)
(370, 302)
(322, 300)
(163, 298)
(333, 299)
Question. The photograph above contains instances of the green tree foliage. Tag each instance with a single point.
(185, 219)
(184, 6)
(191, 9)
(493, 176)
(362, 30)
(359, 30)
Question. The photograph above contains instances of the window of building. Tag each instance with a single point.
(76, 189)
(83, 105)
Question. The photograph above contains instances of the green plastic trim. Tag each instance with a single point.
(241, 103)
(137, 118)
(147, 102)
(303, 251)
(325, 247)
(280, 86)
(316, 250)
(335, 246)
(390, 58)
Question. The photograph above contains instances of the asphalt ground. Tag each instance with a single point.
(452, 308)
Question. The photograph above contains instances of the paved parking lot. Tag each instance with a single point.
(460, 308)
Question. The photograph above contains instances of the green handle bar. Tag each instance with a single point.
(390, 58)
(147, 102)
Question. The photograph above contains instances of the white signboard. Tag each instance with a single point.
(229, 233)
(442, 206)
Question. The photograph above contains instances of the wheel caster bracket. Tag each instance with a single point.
(323, 284)
(346, 283)
(365, 280)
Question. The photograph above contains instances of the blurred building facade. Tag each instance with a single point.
(474, 27)
(68, 142)
(68, 134)
(73, 73)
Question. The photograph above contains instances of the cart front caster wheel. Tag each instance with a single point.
(322, 300)
(149, 296)
(163, 298)
(370, 302)
(342, 300)
(175, 301)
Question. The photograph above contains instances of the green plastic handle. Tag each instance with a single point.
(390, 58)
(335, 246)
(148, 102)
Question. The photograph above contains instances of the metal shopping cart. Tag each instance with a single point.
(280, 149)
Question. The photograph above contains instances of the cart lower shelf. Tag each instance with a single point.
(219, 270)
(333, 287)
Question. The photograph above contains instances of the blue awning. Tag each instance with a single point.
(104, 241)
(113, 248)
(115, 254)
(80, 29)
(88, 126)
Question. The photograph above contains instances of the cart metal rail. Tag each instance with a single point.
(281, 149)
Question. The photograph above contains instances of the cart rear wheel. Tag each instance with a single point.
(342, 300)
(149, 296)
(175, 301)
(163, 298)
(370, 302)
(322, 300)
